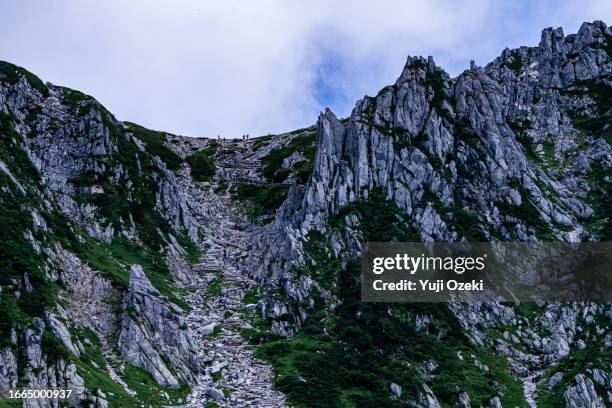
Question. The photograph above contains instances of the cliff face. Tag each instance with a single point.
(518, 150)
(82, 199)
(498, 153)
(136, 265)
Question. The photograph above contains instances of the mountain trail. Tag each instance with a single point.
(233, 376)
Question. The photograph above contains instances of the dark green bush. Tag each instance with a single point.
(263, 199)
(202, 164)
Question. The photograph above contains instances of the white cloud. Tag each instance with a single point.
(231, 67)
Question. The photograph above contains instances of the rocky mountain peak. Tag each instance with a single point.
(141, 268)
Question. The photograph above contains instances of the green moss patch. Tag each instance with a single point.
(11, 73)
(202, 164)
(155, 144)
(272, 163)
(261, 199)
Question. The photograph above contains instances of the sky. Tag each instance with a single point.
(232, 67)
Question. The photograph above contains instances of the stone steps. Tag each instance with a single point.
(250, 380)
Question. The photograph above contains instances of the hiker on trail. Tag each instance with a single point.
(224, 253)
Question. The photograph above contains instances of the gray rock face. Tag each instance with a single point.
(425, 398)
(152, 327)
(583, 394)
(38, 374)
(461, 141)
(554, 380)
(215, 394)
(8, 370)
(487, 143)
(59, 329)
(464, 400)
(396, 390)
(81, 153)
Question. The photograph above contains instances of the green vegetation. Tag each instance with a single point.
(600, 199)
(600, 125)
(272, 163)
(576, 362)
(464, 132)
(548, 155)
(527, 212)
(437, 83)
(253, 336)
(607, 46)
(73, 98)
(457, 218)
(379, 218)
(434, 80)
(113, 261)
(155, 144)
(133, 196)
(11, 74)
(468, 225)
(222, 187)
(17, 256)
(12, 154)
(520, 131)
(250, 296)
(216, 331)
(148, 391)
(261, 141)
(202, 164)
(53, 348)
(350, 358)
(130, 197)
(516, 64)
(262, 199)
(214, 288)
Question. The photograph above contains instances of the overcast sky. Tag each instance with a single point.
(230, 67)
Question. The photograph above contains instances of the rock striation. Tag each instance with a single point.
(152, 327)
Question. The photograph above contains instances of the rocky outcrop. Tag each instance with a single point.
(497, 153)
(425, 398)
(453, 150)
(61, 332)
(8, 369)
(41, 374)
(152, 327)
(583, 394)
